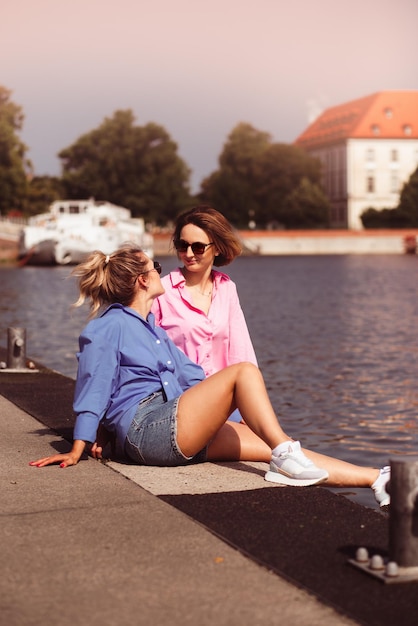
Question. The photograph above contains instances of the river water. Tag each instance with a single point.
(336, 338)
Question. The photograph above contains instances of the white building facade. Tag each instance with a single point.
(368, 149)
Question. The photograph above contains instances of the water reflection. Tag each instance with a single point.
(336, 339)
(39, 299)
(337, 342)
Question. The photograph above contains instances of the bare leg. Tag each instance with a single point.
(341, 473)
(237, 442)
(204, 409)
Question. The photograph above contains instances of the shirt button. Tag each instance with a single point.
(165, 383)
(158, 341)
(168, 362)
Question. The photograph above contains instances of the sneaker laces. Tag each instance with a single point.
(294, 450)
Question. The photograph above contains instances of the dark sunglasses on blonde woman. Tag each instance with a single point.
(157, 267)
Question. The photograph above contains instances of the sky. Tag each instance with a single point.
(197, 68)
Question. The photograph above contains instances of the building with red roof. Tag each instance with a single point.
(368, 149)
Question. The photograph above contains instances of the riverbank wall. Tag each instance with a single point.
(9, 238)
(286, 242)
(308, 242)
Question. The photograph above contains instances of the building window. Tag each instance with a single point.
(342, 176)
(370, 155)
(393, 155)
(370, 184)
(394, 183)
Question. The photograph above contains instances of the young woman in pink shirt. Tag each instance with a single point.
(200, 310)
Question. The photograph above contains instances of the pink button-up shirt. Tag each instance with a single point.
(215, 340)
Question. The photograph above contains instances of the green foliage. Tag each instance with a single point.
(408, 203)
(244, 145)
(231, 195)
(282, 170)
(132, 166)
(269, 183)
(385, 218)
(230, 188)
(404, 216)
(41, 192)
(13, 164)
(306, 206)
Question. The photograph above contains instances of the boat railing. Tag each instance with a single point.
(19, 220)
(11, 227)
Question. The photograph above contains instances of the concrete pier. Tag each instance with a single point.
(112, 543)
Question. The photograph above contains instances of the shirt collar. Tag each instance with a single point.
(116, 305)
(177, 279)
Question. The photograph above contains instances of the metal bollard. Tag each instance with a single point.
(16, 348)
(16, 354)
(402, 564)
(403, 516)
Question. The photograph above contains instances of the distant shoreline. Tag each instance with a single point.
(276, 242)
(281, 242)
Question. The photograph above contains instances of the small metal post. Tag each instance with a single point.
(402, 565)
(403, 515)
(16, 348)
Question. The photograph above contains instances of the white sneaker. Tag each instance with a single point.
(292, 467)
(379, 487)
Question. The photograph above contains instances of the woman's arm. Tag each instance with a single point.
(96, 371)
(65, 459)
(240, 344)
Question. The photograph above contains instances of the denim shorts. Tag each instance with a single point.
(151, 438)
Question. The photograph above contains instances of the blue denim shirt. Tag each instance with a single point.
(124, 358)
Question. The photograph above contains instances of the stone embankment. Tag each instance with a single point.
(317, 242)
(296, 242)
(9, 237)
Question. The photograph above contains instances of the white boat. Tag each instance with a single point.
(71, 229)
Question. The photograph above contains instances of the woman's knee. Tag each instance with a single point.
(245, 368)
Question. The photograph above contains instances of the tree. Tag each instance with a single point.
(13, 163)
(306, 206)
(244, 146)
(405, 215)
(408, 202)
(256, 178)
(132, 166)
(230, 189)
(231, 195)
(41, 192)
(282, 170)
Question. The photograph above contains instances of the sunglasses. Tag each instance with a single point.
(157, 267)
(197, 247)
